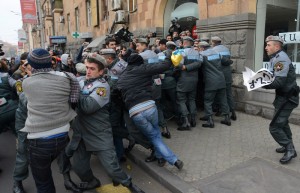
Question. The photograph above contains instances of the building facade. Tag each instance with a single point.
(242, 24)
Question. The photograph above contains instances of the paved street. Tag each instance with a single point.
(210, 151)
(7, 159)
(235, 159)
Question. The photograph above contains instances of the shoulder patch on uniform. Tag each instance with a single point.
(101, 91)
(278, 66)
(102, 80)
(19, 86)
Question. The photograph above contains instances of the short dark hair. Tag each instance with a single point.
(110, 40)
(163, 41)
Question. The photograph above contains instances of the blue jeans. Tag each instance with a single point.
(41, 154)
(147, 122)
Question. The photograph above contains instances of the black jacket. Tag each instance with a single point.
(135, 82)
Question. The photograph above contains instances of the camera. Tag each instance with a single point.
(1, 51)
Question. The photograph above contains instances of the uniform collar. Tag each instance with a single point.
(86, 82)
(273, 55)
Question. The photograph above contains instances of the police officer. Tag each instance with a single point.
(187, 84)
(168, 88)
(226, 69)
(8, 98)
(286, 99)
(21, 164)
(92, 129)
(114, 68)
(214, 85)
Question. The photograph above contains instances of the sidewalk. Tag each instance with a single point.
(225, 159)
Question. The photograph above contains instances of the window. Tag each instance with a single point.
(76, 19)
(280, 19)
(132, 5)
(68, 22)
(104, 10)
(88, 13)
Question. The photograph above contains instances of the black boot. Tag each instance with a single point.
(130, 146)
(233, 115)
(289, 154)
(218, 113)
(193, 120)
(166, 133)
(209, 123)
(152, 157)
(69, 184)
(185, 125)
(179, 164)
(134, 189)
(161, 162)
(94, 183)
(204, 118)
(226, 120)
(18, 187)
(280, 149)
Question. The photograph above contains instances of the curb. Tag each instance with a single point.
(162, 175)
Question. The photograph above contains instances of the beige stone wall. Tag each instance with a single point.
(148, 16)
(218, 8)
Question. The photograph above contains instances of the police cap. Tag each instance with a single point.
(107, 51)
(275, 38)
(142, 40)
(99, 59)
(216, 38)
(80, 68)
(204, 39)
(188, 38)
(203, 44)
(169, 43)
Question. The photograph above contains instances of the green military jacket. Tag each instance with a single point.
(188, 78)
(213, 76)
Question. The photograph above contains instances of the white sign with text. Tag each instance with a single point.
(255, 80)
(290, 37)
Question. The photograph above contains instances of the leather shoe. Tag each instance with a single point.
(280, 149)
(95, 183)
(151, 158)
(134, 189)
(179, 164)
(161, 162)
(18, 187)
(69, 184)
(233, 116)
(166, 134)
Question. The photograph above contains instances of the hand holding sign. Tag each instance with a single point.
(257, 80)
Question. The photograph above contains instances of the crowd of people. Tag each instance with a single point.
(105, 96)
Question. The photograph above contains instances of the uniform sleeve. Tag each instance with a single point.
(277, 83)
(193, 66)
(21, 112)
(11, 81)
(95, 101)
